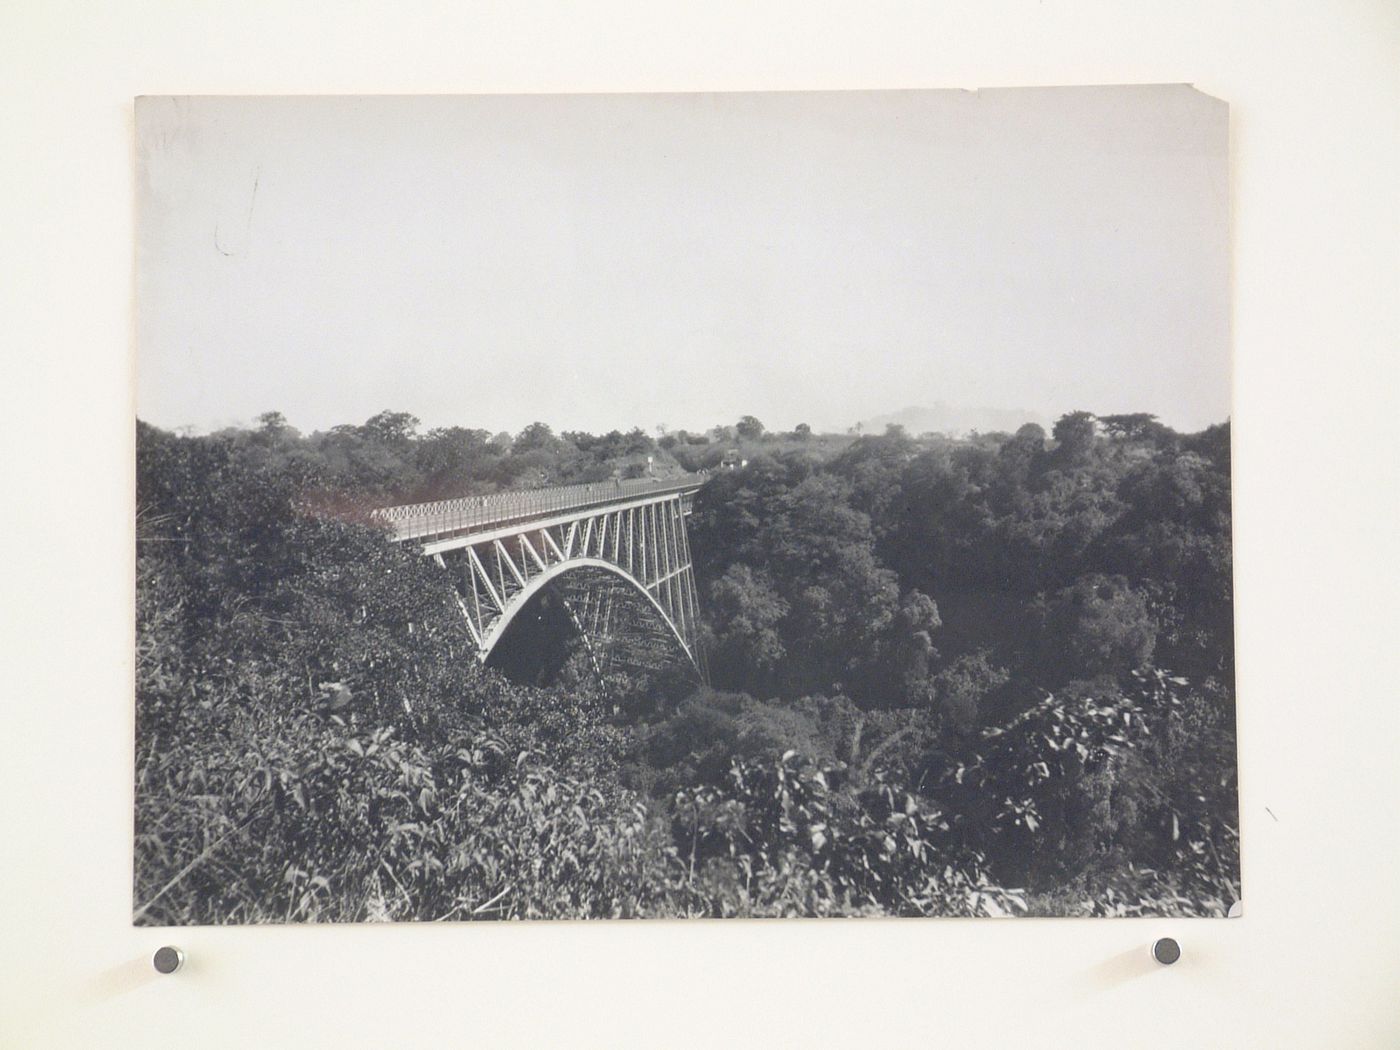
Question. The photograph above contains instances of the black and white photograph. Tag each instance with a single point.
(702, 505)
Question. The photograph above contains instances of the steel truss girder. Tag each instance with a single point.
(644, 543)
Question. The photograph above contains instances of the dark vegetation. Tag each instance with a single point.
(953, 677)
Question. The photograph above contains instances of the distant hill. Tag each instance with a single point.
(952, 420)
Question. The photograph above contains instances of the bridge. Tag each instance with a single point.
(607, 541)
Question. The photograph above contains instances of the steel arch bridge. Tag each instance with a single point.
(505, 549)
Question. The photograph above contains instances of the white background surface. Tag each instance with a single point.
(1315, 962)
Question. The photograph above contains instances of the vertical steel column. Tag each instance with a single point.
(672, 564)
(655, 546)
(631, 540)
(682, 613)
(697, 647)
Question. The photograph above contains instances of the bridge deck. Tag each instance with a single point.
(476, 513)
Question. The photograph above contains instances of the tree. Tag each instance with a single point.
(874, 466)
(1029, 790)
(1030, 435)
(453, 461)
(1018, 457)
(274, 425)
(748, 612)
(910, 650)
(749, 428)
(391, 428)
(535, 436)
(1074, 433)
(798, 528)
(637, 442)
(802, 432)
(1214, 443)
(1131, 425)
(961, 687)
(1098, 625)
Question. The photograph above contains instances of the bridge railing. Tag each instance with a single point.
(442, 517)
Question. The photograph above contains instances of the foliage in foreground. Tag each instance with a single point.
(315, 743)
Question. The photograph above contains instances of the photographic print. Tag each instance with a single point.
(805, 504)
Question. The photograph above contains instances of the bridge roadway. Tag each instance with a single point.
(445, 520)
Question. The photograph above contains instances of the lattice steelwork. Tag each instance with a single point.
(504, 549)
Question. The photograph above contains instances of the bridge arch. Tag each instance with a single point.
(503, 550)
(522, 598)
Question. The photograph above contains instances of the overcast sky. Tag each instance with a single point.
(605, 261)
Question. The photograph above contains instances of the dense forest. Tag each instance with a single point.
(987, 675)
